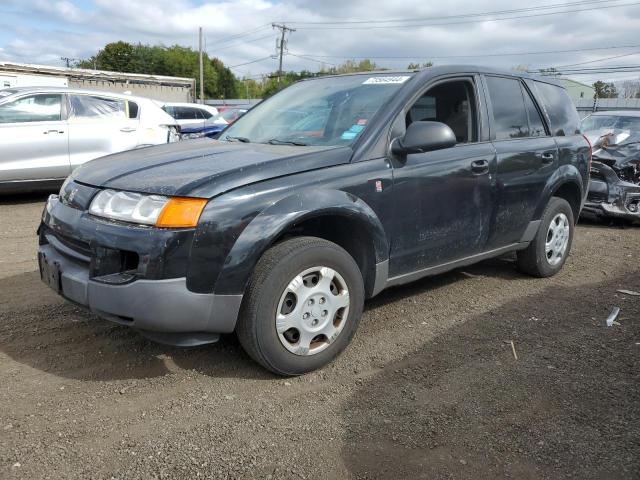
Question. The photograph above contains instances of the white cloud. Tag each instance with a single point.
(44, 31)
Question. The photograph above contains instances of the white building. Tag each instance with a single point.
(158, 87)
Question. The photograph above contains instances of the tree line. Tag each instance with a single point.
(219, 81)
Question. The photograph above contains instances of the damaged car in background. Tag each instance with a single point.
(614, 189)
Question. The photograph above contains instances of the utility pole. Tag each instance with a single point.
(67, 61)
(201, 69)
(282, 44)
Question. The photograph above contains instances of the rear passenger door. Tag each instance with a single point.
(100, 126)
(526, 157)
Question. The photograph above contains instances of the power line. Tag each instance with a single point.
(445, 17)
(243, 43)
(228, 38)
(442, 57)
(253, 61)
(598, 60)
(305, 57)
(439, 24)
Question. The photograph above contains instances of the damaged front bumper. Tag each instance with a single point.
(130, 275)
(609, 196)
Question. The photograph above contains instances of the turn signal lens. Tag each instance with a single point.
(181, 212)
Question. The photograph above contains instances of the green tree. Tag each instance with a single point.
(117, 56)
(605, 90)
(226, 85)
(175, 61)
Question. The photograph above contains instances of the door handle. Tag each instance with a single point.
(547, 157)
(128, 129)
(480, 167)
(47, 132)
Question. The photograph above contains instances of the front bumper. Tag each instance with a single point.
(611, 197)
(162, 308)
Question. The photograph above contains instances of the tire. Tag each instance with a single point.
(535, 260)
(272, 291)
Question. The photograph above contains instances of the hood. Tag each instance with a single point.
(619, 150)
(203, 168)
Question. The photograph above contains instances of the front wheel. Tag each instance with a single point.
(302, 306)
(550, 248)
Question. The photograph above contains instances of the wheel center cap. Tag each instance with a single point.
(317, 310)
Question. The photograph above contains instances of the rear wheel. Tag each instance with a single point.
(302, 306)
(550, 248)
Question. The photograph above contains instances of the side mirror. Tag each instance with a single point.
(424, 137)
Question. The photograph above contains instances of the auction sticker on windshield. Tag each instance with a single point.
(386, 80)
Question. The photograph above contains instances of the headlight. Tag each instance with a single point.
(156, 210)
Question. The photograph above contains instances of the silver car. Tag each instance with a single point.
(45, 132)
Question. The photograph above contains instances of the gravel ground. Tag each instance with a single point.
(429, 388)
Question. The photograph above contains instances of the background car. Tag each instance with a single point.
(46, 132)
(614, 189)
(214, 126)
(190, 114)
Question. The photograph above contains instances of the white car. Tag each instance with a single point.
(45, 132)
(190, 114)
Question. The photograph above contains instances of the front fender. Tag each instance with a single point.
(272, 222)
(565, 174)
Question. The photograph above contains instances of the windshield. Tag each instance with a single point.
(611, 122)
(324, 111)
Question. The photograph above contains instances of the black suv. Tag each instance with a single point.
(321, 196)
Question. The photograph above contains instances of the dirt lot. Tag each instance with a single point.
(429, 388)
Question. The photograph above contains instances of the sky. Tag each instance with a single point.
(498, 33)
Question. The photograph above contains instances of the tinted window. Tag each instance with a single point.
(206, 114)
(536, 125)
(96, 108)
(562, 113)
(187, 113)
(133, 110)
(509, 113)
(35, 108)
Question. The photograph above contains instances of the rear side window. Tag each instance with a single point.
(563, 117)
(187, 113)
(133, 109)
(34, 108)
(510, 118)
(97, 108)
(206, 114)
(536, 125)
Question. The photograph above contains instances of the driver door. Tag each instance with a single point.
(444, 199)
(34, 138)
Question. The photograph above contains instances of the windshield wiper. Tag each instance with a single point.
(237, 139)
(277, 141)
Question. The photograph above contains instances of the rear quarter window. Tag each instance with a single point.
(563, 116)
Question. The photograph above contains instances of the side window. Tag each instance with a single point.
(452, 103)
(186, 113)
(536, 125)
(563, 115)
(133, 109)
(34, 108)
(97, 108)
(206, 114)
(509, 113)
